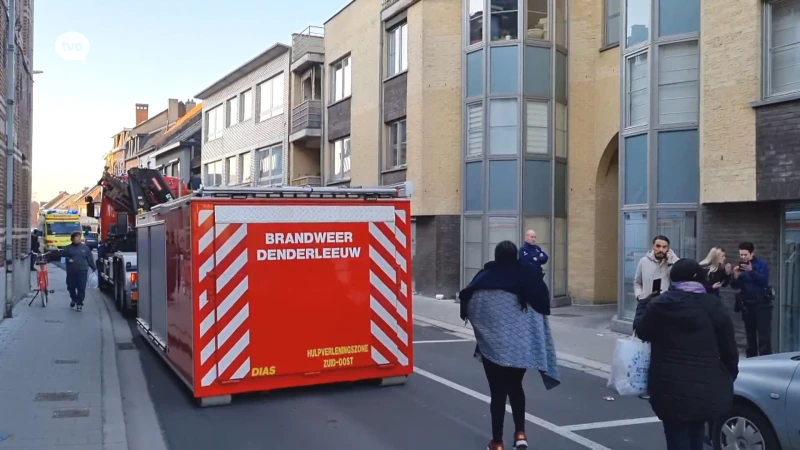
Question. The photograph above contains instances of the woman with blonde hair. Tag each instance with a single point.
(717, 271)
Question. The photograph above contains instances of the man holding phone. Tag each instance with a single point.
(754, 300)
(652, 272)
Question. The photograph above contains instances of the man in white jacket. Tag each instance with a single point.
(654, 265)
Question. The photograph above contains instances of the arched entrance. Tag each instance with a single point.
(606, 248)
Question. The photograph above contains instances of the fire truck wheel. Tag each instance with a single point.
(217, 400)
(393, 381)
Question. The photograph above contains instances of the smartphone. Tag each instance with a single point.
(657, 285)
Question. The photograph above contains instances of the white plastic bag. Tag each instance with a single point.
(630, 366)
(92, 279)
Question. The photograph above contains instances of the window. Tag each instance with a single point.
(475, 21)
(246, 163)
(638, 97)
(678, 17)
(504, 73)
(397, 48)
(637, 22)
(537, 20)
(560, 190)
(561, 23)
(536, 123)
(678, 175)
(612, 22)
(542, 227)
(247, 105)
(559, 258)
(341, 80)
(341, 159)
(783, 60)
(270, 165)
(215, 118)
(635, 170)
(503, 127)
(397, 144)
(503, 192)
(501, 229)
(475, 129)
(233, 111)
(473, 195)
(561, 130)
(636, 244)
(504, 20)
(213, 172)
(680, 227)
(270, 95)
(678, 86)
(536, 187)
(475, 73)
(232, 170)
(537, 71)
(473, 247)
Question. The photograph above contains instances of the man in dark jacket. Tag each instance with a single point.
(79, 260)
(694, 359)
(531, 254)
(754, 300)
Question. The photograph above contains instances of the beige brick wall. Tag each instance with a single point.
(356, 30)
(730, 74)
(593, 125)
(434, 107)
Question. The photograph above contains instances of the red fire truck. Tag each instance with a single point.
(255, 289)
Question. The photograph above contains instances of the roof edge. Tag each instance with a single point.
(339, 12)
(262, 58)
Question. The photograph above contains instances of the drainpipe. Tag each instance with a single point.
(11, 87)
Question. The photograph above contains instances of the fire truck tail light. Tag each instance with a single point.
(134, 277)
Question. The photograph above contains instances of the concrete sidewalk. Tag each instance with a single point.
(581, 333)
(59, 384)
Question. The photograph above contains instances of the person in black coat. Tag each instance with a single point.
(716, 270)
(694, 360)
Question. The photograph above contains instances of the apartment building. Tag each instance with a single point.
(393, 114)
(146, 128)
(245, 122)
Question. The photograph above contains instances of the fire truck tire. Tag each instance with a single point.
(393, 381)
(216, 400)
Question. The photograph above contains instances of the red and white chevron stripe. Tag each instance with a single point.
(389, 296)
(224, 310)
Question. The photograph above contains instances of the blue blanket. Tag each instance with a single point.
(510, 336)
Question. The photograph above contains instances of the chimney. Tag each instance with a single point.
(190, 104)
(142, 113)
(173, 111)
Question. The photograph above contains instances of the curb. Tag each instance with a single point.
(115, 433)
(589, 366)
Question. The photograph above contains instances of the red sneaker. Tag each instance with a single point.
(520, 441)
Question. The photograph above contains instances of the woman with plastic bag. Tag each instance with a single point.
(694, 359)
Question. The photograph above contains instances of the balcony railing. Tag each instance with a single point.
(388, 3)
(307, 115)
(307, 180)
(310, 40)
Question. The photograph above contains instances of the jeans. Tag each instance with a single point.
(757, 320)
(76, 286)
(684, 435)
(505, 382)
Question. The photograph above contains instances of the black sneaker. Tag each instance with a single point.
(71, 304)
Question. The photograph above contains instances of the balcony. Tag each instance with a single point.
(306, 121)
(308, 48)
(307, 181)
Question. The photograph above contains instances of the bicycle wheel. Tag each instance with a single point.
(44, 299)
(45, 288)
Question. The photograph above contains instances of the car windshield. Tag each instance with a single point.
(91, 235)
(59, 228)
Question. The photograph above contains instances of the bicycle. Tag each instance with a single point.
(42, 279)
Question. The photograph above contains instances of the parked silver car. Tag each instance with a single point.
(766, 410)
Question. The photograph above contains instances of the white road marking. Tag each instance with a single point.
(442, 341)
(561, 431)
(612, 424)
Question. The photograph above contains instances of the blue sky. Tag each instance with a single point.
(143, 51)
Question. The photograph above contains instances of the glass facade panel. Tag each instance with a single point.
(561, 22)
(678, 17)
(637, 96)
(681, 229)
(505, 26)
(635, 170)
(678, 85)
(501, 229)
(475, 21)
(560, 190)
(790, 282)
(558, 261)
(637, 22)
(475, 130)
(538, 27)
(503, 192)
(636, 244)
(561, 77)
(542, 227)
(784, 47)
(536, 127)
(612, 22)
(536, 188)
(561, 130)
(473, 247)
(504, 127)
(475, 73)
(473, 194)
(537, 71)
(678, 167)
(504, 74)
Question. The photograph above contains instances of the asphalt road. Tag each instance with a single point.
(443, 406)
